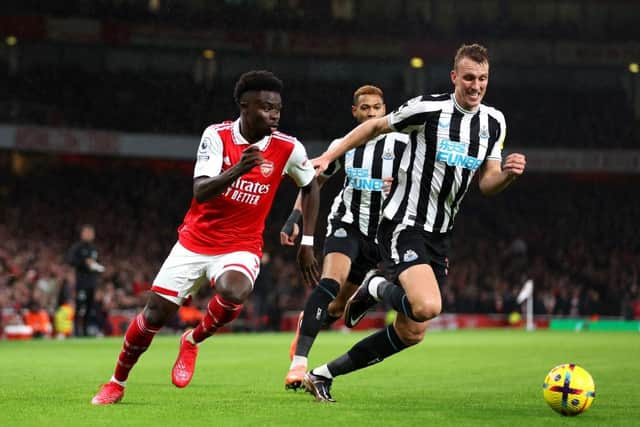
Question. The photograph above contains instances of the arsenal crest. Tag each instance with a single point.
(266, 168)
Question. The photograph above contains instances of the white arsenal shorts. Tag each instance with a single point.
(182, 268)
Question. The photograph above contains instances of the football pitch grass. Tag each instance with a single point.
(454, 378)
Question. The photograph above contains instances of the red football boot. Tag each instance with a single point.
(108, 394)
(182, 371)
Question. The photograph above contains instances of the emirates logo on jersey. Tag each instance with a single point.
(245, 191)
(266, 168)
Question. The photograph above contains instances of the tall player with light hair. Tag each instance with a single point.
(238, 170)
(350, 247)
(452, 137)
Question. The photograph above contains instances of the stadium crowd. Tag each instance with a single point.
(575, 236)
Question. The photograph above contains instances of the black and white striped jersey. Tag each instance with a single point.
(361, 198)
(447, 145)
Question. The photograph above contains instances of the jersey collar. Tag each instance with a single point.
(459, 107)
(238, 139)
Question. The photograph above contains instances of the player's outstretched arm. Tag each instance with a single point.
(494, 177)
(310, 202)
(358, 136)
(205, 187)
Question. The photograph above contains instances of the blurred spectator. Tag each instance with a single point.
(38, 319)
(83, 256)
(189, 315)
(63, 320)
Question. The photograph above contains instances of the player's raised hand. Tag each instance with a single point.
(308, 265)
(320, 164)
(251, 157)
(514, 164)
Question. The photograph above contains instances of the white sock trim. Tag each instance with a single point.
(299, 360)
(373, 286)
(322, 371)
(189, 338)
(114, 380)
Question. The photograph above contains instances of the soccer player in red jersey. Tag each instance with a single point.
(238, 169)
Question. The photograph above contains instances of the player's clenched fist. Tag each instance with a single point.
(251, 157)
(515, 164)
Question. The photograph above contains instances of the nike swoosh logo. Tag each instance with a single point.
(356, 319)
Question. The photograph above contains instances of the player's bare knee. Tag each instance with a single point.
(426, 311)
(154, 316)
(158, 311)
(236, 293)
(233, 286)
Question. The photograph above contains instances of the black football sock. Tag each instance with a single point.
(396, 297)
(369, 351)
(315, 313)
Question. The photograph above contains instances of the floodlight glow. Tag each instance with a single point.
(208, 54)
(416, 62)
(154, 6)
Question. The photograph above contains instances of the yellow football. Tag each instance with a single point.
(569, 389)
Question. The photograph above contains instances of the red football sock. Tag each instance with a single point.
(136, 341)
(219, 313)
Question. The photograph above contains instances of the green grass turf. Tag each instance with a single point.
(455, 378)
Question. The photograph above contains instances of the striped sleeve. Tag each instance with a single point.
(334, 166)
(408, 116)
(413, 114)
(500, 135)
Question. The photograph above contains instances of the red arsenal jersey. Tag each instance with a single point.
(234, 220)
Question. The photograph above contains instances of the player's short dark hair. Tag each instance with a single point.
(475, 51)
(367, 90)
(256, 81)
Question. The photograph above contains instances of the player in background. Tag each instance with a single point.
(350, 248)
(452, 136)
(239, 167)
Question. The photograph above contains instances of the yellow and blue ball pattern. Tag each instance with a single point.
(569, 389)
